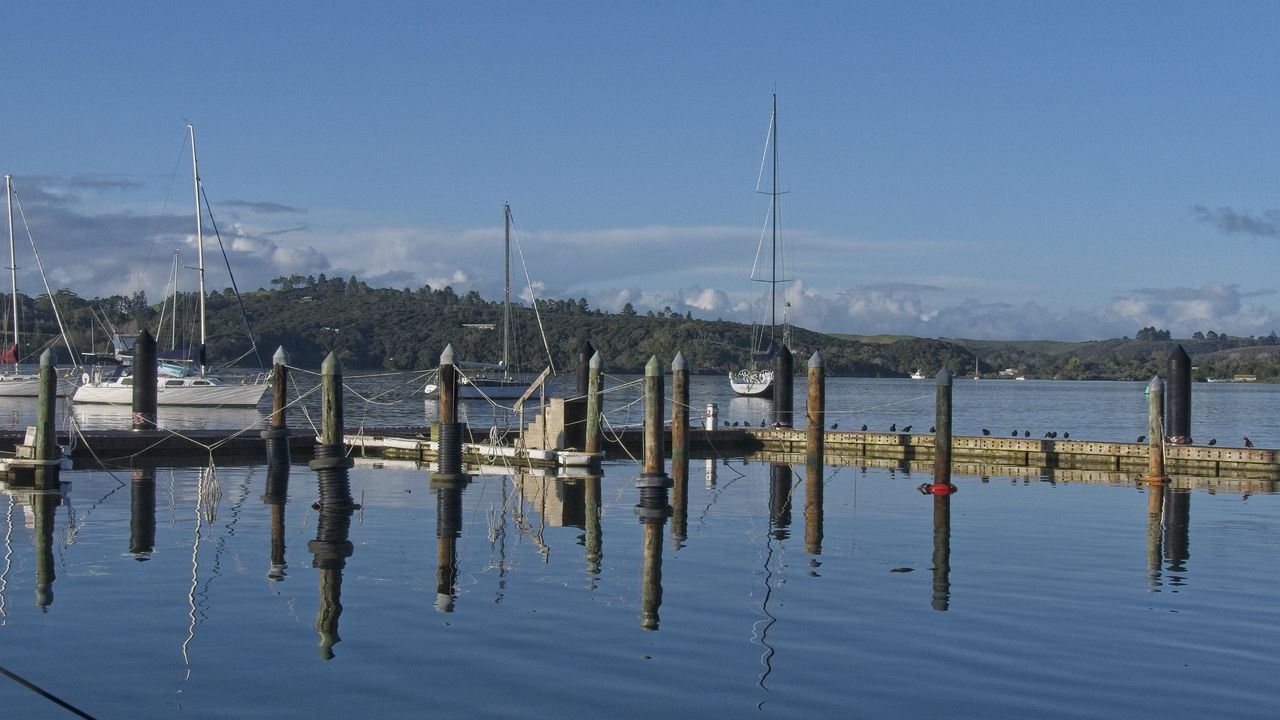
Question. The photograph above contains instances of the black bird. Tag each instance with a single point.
(735, 423)
(1026, 433)
(835, 425)
(893, 427)
(1066, 435)
(906, 429)
(1054, 434)
(1142, 438)
(1214, 441)
(1013, 434)
(726, 423)
(864, 427)
(986, 431)
(762, 421)
(933, 429)
(1248, 442)
(1046, 435)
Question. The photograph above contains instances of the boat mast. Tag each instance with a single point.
(13, 268)
(506, 290)
(773, 212)
(195, 175)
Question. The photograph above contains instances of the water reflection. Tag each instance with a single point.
(276, 495)
(330, 549)
(1168, 534)
(652, 511)
(941, 552)
(593, 533)
(142, 513)
(448, 530)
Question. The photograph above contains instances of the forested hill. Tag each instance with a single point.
(390, 329)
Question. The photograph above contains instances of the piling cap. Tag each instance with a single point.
(46, 358)
(679, 363)
(1156, 384)
(944, 376)
(447, 357)
(596, 361)
(331, 365)
(281, 357)
(815, 360)
(651, 367)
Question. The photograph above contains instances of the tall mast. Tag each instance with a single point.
(773, 283)
(195, 176)
(506, 290)
(13, 269)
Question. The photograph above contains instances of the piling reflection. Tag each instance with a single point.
(331, 548)
(780, 479)
(142, 513)
(652, 511)
(1168, 534)
(448, 530)
(276, 495)
(44, 506)
(813, 498)
(941, 553)
(592, 532)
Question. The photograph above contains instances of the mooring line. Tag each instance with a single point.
(44, 693)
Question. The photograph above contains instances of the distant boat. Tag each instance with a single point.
(493, 380)
(757, 378)
(175, 385)
(917, 375)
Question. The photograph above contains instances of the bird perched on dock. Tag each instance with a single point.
(726, 423)
(906, 429)
(735, 423)
(1013, 434)
(1142, 438)
(933, 428)
(1066, 435)
(835, 425)
(1248, 443)
(1026, 433)
(986, 431)
(864, 427)
(893, 427)
(762, 420)
(1213, 441)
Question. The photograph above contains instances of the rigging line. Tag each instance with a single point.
(239, 301)
(62, 328)
(44, 693)
(534, 298)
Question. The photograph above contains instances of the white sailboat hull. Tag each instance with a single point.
(479, 390)
(212, 394)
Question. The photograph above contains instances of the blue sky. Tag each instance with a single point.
(1003, 170)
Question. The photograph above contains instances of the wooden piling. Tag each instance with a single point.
(815, 413)
(277, 434)
(449, 463)
(679, 411)
(654, 403)
(144, 382)
(592, 441)
(331, 432)
(942, 430)
(1178, 399)
(783, 386)
(46, 449)
(679, 446)
(1155, 431)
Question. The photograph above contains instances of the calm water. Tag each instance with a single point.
(509, 599)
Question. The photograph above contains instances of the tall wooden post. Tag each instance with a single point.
(331, 431)
(46, 449)
(277, 435)
(592, 441)
(942, 436)
(449, 455)
(1155, 431)
(653, 483)
(331, 462)
(144, 382)
(679, 446)
(814, 454)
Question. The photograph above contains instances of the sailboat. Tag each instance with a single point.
(15, 383)
(757, 378)
(493, 380)
(189, 388)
